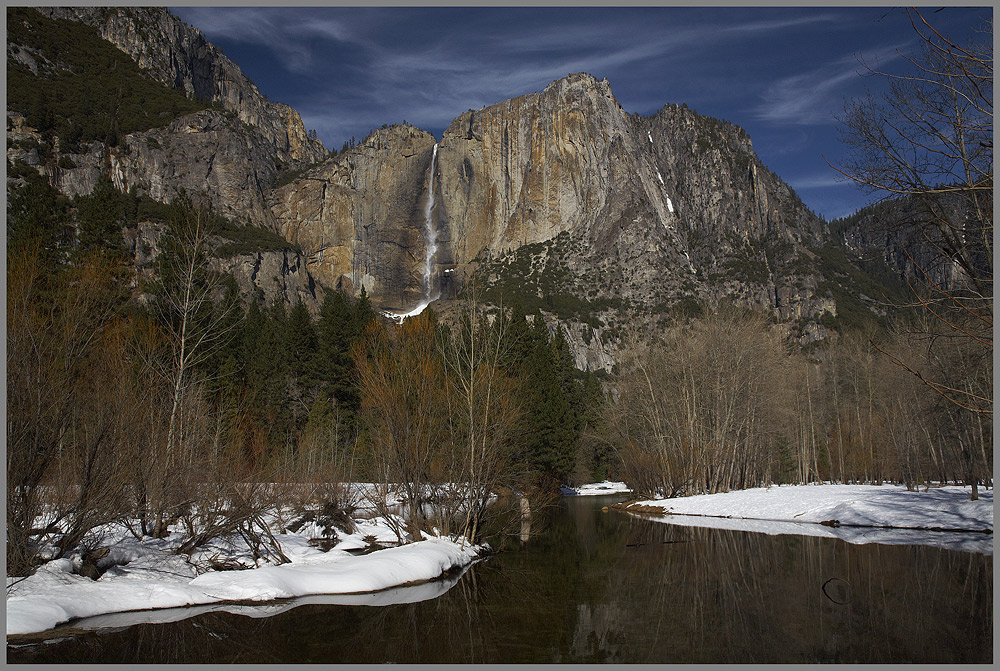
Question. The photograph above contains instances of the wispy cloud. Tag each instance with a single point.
(286, 34)
(814, 97)
(779, 24)
(823, 180)
(441, 77)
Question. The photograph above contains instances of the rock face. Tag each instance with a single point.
(179, 56)
(565, 186)
(211, 152)
(902, 235)
(265, 276)
(207, 154)
(648, 210)
(273, 277)
(525, 170)
(560, 199)
(359, 216)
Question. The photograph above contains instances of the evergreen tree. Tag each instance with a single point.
(520, 340)
(302, 346)
(270, 368)
(339, 329)
(549, 433)
(569, 376)
(363, 315)
(223, 365)
(102, 215)
(38, 212)
(590, 421)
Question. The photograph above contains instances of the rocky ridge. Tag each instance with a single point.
(563, 193)
(266, 275)
(179, 56)
(559, 199)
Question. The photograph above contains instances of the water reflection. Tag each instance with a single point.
(604, 587)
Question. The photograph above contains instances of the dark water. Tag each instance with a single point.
(604, 587)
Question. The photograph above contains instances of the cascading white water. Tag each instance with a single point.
(430, 236)
(431, 293)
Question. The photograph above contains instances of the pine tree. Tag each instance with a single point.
(302, 345)
(336, 336)
(223, 365)
(549, 432)
(270, 368)
(363, 315)
(590, 428)
(520, 340)
(102, 215)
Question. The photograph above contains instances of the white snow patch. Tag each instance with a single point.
(339, 573)
(396, 595)
(690, 263)
(148, 575)
(865, 514)
(596, 489)
(399, 317)
(650, 137)
(670, 205)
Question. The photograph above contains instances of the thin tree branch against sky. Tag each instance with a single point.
(781, 73)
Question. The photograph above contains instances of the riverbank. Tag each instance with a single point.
(942, 516)
(597, 489)
(148, 574)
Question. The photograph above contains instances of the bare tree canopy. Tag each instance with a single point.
(929, 140)
(932, 135)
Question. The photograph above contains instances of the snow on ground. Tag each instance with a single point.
(943, 516)
(396, 595)
(400, 317)
(596, 489)
(147, 575)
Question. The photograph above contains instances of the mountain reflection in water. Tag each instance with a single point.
(604, 587)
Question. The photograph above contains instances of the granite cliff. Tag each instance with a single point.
(559, 199)
(359, 216)
(562, 193)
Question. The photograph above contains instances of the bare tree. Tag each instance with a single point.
(404, 409)
(483, 411)
(699, 410)
(197, 322)
(55, 323)
(930, 139)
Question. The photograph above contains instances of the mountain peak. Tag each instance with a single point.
(581, 80)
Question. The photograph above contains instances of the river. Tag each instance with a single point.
(597, 586)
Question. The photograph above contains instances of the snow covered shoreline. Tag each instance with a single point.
(152, 577)
(943, 516)
(597, 489)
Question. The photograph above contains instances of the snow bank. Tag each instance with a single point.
(154, 579)
(944, 516)
(341, 573)
(395, 595)
(596, 489)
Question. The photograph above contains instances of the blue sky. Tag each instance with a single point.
(781, 73)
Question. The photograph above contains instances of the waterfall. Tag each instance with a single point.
(430, 237)
(430, 293)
